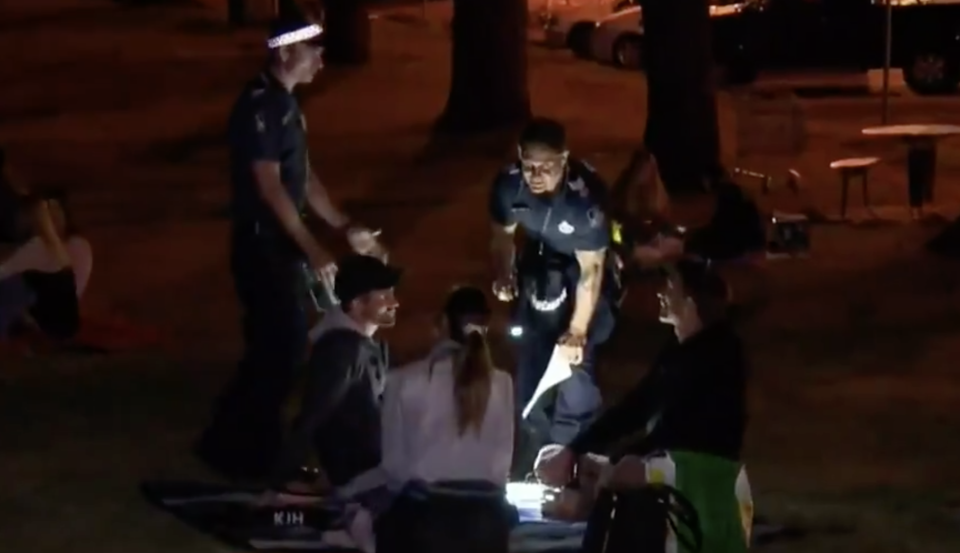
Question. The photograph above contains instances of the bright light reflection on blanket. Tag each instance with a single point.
(527, 497)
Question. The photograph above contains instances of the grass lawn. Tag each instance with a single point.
(855, 393)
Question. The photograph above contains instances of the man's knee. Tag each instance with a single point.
(81, 260)
(578, 395)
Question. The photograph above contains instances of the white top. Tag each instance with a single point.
(912, 130)
(420, 435)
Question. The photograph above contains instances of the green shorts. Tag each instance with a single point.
(718, 489)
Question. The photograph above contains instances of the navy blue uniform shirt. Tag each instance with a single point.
(556, 226)
(567, 221)
(266, 124)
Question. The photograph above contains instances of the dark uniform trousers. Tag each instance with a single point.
(270, 283)
(559, 415)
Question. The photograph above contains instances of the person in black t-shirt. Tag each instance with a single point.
(694, 397)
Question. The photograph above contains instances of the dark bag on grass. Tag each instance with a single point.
(642, 520)
(736, 229)
(450, 517)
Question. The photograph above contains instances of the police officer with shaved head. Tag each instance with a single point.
(272, 185)
(564, 283)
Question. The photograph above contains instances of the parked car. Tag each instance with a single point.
(618, 38)
(569, 25)
(755, 35)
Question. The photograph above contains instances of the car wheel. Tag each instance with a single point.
(932, 73)
(578, 41)
(628, 52)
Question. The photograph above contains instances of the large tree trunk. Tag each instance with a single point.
(682, 129)
(243, 12)
(347, 27)
(488, 84)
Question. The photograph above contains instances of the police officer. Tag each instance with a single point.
(564, 285)
(272, 182)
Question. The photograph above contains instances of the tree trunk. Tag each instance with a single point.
(347, 27)
(488, 83)
(682, 129)
(236, 12)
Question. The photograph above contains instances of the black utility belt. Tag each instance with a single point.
(268, 236)
(262, 230)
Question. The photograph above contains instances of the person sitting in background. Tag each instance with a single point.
(44, 264)
(638, 193)
(736, 228)
(448, 431)
(643, 235)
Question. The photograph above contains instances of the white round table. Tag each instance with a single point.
(921, 141)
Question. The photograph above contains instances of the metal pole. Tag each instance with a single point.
(887, 60)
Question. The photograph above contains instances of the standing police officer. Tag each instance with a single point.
(562, 280)
(272, 182)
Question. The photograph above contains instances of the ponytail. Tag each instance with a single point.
(472, 378)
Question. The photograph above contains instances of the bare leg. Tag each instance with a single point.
(36, 256)
(81, 259)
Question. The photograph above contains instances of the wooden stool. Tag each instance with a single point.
(849, 168)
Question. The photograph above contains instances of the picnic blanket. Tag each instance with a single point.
(231, 515)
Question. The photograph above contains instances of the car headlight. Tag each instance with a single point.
(516, 331)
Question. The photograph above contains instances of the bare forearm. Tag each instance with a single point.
(502, 250)
(289, 217)
(46, 229)
(588, 290)
(322, 205)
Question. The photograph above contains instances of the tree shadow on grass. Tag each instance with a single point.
(79, 16)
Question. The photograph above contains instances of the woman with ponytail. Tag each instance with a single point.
(448, 424)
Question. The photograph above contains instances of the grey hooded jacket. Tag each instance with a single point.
(340, 411)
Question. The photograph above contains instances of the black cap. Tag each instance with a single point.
(360, 274)
(466, 300)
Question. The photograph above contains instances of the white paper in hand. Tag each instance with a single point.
(557, 371)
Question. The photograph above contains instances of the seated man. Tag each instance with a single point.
(346, 371)
(690, 409)
(44, 264)
(340, 411)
